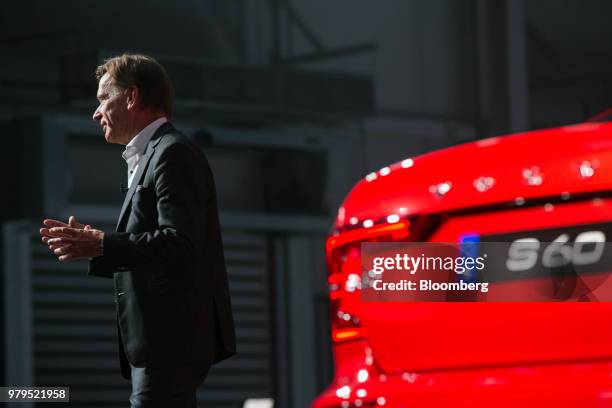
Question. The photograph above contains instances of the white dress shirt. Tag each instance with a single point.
(136, 148)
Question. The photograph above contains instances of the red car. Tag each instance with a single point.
(542, 184)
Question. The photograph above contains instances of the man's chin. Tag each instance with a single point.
(109, 138)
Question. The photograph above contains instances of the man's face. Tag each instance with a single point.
(112, 112)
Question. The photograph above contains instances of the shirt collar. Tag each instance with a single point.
(138, 144)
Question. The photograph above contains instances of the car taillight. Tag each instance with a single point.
(344, 265)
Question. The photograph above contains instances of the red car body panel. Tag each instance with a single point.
(474, 354)
(558, 153)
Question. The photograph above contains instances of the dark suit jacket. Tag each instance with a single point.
(166, 259)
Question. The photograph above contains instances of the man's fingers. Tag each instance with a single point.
(45, 232)
(63, 251)
(55, 232)
(73, 248)
(74, 224)
(72, 241)
(52, 233)
(71, 244)
(75, 254)
(81, 249)
(70, 257)
(60, 241)
(66, 232)
(57, 228)
(54, 223)
(66, 255)
(63, 247)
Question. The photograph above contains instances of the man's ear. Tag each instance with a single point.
(133, 97)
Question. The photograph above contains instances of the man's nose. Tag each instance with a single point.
(97, 115)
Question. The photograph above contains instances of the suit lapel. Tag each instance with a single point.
(143, 163)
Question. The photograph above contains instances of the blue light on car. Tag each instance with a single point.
(469, 245)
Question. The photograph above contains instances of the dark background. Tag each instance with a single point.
(293, 102)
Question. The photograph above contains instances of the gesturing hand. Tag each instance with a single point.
(72, 241)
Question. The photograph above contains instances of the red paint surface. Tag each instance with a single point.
(474, 354)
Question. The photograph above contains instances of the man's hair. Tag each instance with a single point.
(146, 74)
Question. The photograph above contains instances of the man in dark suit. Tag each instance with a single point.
(166, 257)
